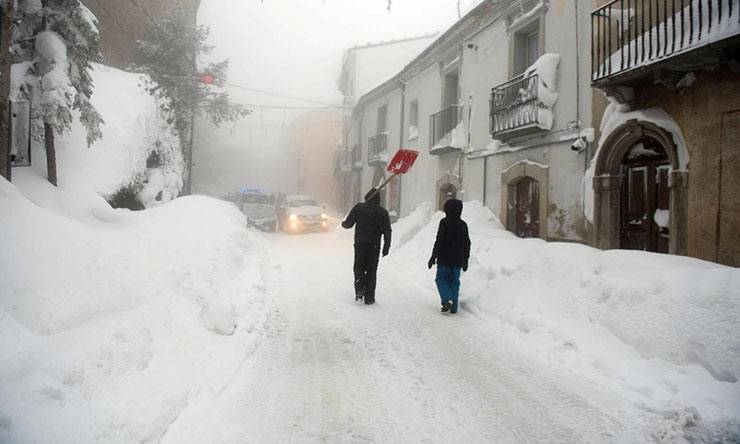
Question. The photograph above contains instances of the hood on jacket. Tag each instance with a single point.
(373, 196)
(453, 208)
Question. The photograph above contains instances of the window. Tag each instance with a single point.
(533, 47)
(382, 117)
(452, 89)
(526, 42)
(413, 119)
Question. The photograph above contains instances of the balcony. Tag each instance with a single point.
(446, 131)
(633, 38)
(356, 158)
(345, 163)
(376, 149)
(517, 110)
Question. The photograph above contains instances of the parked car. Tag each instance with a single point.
(259, 207)
(301, 213)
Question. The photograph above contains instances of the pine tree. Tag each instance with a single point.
(183, 88)
(57, 41)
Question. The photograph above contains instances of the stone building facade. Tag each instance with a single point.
(667, 170)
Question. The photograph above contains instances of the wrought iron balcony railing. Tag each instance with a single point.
(515, 106)
(376, 148)
(345, 162)
(356, 157)
(628, 34)
(443, 122)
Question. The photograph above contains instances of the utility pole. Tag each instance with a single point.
(6, 35)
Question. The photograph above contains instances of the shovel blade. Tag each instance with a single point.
(402, 161)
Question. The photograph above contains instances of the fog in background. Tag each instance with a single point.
(292, 49)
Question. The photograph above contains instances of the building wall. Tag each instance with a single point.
(484, 62)
(122, 23)
(313, 137)
(704, 114)
(419, 184)
(572, 113)
(376, 64)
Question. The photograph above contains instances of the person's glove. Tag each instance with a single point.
(386, 249)
(431, 262)
(465, 266)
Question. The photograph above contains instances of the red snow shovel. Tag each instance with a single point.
(400, 164)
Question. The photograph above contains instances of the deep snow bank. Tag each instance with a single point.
(110, 329)
(134, 128)
(661, 327)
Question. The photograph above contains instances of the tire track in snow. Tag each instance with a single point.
(335, 371)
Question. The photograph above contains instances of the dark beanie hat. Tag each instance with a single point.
(373, 196)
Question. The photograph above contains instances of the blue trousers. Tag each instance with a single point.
(448, 284)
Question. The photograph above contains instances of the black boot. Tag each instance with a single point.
(446, 306)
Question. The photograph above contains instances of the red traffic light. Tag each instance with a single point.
(207, 79)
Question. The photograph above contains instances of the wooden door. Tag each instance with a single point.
(645, 208)
(524, 208)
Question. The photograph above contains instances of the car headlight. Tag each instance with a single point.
(293, 218)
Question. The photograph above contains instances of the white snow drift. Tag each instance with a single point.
(112, 326)
(662, 328)
(134, 127)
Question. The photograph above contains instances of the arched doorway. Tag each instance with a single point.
(524, 198)
(446, 192)
(645, 204)
(523, 217)
(640, 190)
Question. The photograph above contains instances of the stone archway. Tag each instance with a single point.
(448, 186)
(530, 179)
(608, 184)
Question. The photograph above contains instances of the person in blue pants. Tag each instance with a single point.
(451, 253)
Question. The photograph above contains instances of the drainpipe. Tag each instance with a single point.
(587, 151)
(485, 179)
(400, 143)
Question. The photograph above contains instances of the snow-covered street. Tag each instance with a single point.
(198, 198)
(225, 334)
(399, 371)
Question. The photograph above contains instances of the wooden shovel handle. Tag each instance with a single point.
(382, 185)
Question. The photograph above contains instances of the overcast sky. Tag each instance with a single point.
(295, 46)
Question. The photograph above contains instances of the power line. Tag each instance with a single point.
(285, 96)
(146, 12)
(288, 107)
(115, 20)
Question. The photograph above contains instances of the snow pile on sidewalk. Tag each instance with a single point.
(112, 326)
(661, 329)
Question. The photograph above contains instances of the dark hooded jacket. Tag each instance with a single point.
(452, 247)
(372, 221)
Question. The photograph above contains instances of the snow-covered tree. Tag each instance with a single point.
(56, 41)
(184, 87)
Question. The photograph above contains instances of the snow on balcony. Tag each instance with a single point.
(446, 128)
(630, 34)
(525, 103)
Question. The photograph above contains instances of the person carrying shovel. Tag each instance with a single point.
(372, 221)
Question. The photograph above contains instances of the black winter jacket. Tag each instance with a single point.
(452, 247)
(372, 221)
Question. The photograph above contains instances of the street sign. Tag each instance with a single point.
(402, 161)
(20, 133)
